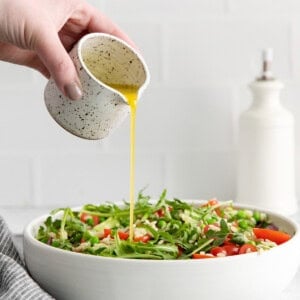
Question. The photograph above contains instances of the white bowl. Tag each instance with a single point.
(255, 276)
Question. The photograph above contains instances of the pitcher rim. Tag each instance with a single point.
(134, 51)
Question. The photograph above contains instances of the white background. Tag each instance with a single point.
(202, 54)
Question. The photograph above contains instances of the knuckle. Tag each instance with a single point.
(61, 66)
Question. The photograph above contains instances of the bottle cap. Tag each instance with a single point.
(267, 58)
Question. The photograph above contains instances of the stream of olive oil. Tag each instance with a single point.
(130, 93)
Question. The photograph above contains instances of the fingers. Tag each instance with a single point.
(14, 54)
(37, 64)
(34, 62)
(59, 64)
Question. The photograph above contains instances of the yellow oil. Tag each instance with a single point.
(131, 94)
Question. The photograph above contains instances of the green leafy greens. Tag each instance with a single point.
(167, 229)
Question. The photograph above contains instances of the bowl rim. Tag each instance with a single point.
(29, 237)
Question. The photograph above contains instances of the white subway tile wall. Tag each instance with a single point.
(227, 51)
(202, 54)
(288, 7)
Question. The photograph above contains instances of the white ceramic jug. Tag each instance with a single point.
(101, 60)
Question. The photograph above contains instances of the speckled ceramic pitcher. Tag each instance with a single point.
(100, 60)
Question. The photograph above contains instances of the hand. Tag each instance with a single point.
(38, 34)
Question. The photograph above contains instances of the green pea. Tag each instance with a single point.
(90, 222)
(241, 214)
(94, 240)
(243, 224)
(256, 216)
(161, 224)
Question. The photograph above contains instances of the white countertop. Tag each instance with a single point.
(18, 218)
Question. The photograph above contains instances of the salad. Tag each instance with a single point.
(167, 229)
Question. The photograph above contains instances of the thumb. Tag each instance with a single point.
(59, 64)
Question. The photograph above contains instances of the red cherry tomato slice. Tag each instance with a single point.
(180, 251)
(160, 213)
(247, 248)
(201, 256)
(231, 249)
(106, 232)
(218, 251)
(123, 235)
(275, 236)
(144, 238)
(213, 202)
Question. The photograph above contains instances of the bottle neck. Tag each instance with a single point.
(266, 94)
(267, 100)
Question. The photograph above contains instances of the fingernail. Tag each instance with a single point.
(73, 91)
